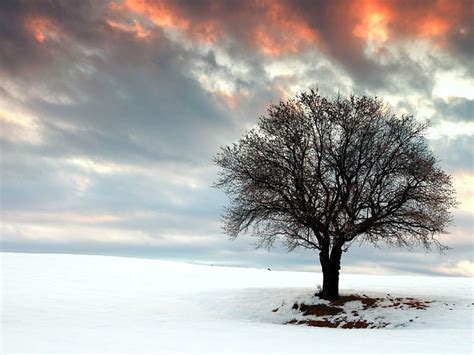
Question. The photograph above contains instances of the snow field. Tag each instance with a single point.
(98, 304)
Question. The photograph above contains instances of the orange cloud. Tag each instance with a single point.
(373, 19)
(437, 21)
(283, 31)
(159, 12)
(433, 27)
(165, 14)
(380, 20)
(272, 26)
(207, 31)
(279, 27)
(134, 28)
(42, 28)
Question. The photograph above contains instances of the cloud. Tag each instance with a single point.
(455, 153)
(463, 268)
(456, 109)
(111, 111)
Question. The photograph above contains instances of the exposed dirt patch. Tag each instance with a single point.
(357, 324)
(322, 323)
(409, 302)
(417, 304)
(368, 302)
(333, 314)
(319, 310)
(316, 323)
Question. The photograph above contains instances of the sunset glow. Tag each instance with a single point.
(374, 20)
(161, 13)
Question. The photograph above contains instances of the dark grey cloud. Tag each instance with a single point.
(131, 105)
(22, 53)
(455, 109)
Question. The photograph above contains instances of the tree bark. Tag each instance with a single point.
(331, 264)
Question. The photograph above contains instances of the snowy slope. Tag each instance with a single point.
(83, 304)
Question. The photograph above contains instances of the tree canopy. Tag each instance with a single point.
(322, 172)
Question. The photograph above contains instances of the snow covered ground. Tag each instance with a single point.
(99, 304)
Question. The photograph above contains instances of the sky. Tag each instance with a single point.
(111, 112)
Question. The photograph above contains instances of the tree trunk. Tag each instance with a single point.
(330, 263)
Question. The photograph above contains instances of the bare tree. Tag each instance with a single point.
(320, 173)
